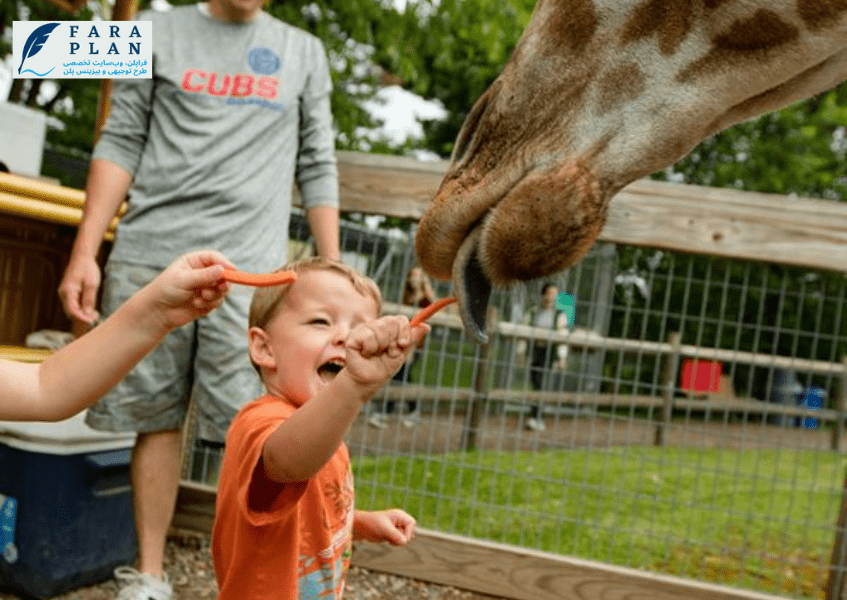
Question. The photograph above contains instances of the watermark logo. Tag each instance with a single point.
(34, 44)
(82, 49)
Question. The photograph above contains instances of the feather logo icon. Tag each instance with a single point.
(34, 43)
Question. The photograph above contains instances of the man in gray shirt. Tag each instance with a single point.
(207, 152)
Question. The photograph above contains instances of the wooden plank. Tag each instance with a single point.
(23, 354)
(669, 370)
(583, 338)
(523, 574)
(719, 221)
(575, 398)
(746, 225)
(729, 223)
(388, 185)
(47, 211)
(195, 507)
(756, 407)
(424, 393)
(31, 188)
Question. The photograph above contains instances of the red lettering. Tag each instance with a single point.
(186, 80)
(268, 87)
(239, 85)
(224, 86)
(242, 85)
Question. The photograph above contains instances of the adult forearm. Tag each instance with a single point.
(105, 192)
(323, 221)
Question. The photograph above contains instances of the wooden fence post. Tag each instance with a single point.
(669, 385)
(840, 407)
(480, 385)
(838, 561)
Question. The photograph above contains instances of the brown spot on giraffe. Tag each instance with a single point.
(618, 86)
(715, 4)
(571, 24)
(669, 21)
(743, 41)
(818, 14)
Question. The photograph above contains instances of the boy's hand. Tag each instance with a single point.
(377, 349)
(190, 288)
(393, 526)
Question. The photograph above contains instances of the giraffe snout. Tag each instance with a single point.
(547, 223)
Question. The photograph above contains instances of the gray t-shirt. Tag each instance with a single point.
(234, 112)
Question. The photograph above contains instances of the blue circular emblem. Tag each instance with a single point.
(263, 61)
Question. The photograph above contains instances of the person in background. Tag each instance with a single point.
(544, 353)
(417, 292)
(285, 515)
(206, 154)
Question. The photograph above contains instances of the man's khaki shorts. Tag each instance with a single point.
(206, 360)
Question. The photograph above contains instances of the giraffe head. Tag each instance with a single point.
(597, 94)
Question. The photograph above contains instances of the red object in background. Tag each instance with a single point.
(701, 375)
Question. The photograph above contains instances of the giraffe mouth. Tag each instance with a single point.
(471, 287)
(515, 230)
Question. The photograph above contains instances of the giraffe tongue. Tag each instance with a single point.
(472, 288)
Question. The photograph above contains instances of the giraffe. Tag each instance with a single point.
(597, 94)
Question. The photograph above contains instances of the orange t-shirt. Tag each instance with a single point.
(279, 541)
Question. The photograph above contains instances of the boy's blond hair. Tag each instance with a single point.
(266, 301)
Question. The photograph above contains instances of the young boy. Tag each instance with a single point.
(285, 519)
(78, 374)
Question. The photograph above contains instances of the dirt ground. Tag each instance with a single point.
(504, 431)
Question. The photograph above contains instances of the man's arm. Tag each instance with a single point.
(317, 171)
(323, 221)
(106, 190)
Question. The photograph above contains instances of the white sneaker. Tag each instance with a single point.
(378, 420)
(142, 586)
(534, 424)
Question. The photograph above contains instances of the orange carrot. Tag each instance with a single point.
(430, 310)
(259, 279)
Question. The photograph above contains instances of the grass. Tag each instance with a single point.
(758, 519)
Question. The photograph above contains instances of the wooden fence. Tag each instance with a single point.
(800, 232)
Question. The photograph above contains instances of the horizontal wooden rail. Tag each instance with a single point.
(590, 340)
(718, 221)
(723, 222)
(23, 354)
(42, 201)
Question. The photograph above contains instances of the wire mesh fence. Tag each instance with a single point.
(688, 421)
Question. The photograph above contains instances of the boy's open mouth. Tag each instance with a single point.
(329, 370)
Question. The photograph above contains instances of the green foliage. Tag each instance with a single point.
(798, 150)
(458, 48)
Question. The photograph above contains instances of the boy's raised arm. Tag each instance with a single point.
(304, 442)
